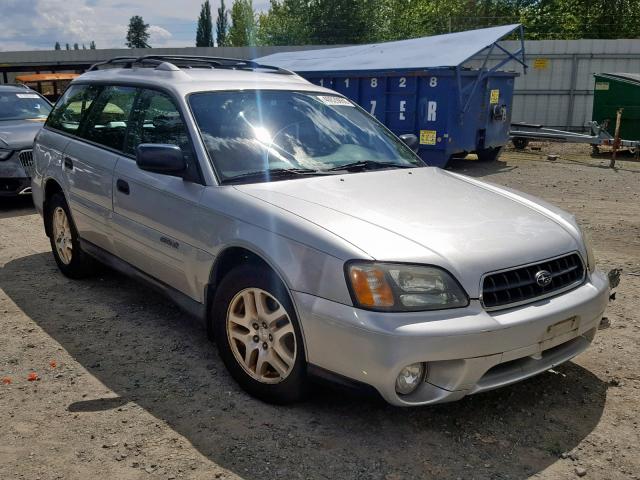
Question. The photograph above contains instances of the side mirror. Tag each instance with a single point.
(160, 158)
(410, 140)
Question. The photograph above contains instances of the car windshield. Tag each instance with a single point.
(23, 106)
(252, 133)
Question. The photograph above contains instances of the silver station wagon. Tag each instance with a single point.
(308, 238)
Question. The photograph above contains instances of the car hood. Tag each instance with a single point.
(428, 215)
(17, 134)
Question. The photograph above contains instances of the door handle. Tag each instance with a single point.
(68, 163)
(122, 186)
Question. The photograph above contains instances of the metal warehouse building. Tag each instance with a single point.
(557, 90)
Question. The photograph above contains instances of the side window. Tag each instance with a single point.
(158, 120)
(72, 108)
(107, 122)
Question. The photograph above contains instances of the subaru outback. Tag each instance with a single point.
(308, 238)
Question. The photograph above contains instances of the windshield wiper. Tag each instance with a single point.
(272, 172)
(368, 165)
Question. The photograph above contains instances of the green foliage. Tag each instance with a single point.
(57, 46)
(75, 46)
(321, 22)
(338, 22)
(285, 23)
(574, 19)
(204, 33)
(243, 24)
(92, 45)
(299, 22)
(67, 47)
(137, 35)
(222, 25)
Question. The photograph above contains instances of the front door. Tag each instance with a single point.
(154, 221)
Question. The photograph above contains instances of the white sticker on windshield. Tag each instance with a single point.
(334, 100)
(27, 95)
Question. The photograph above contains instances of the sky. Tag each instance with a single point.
(38, 24)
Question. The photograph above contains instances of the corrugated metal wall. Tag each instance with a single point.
(557, 90)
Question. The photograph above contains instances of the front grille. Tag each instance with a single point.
(26, 159)
(518, 285)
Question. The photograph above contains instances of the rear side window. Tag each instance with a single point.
(72, 108)
(109, 117)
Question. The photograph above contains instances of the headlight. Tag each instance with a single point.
(401, 288)
(591, 259)
(4, 154)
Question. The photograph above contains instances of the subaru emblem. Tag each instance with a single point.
(543, 278)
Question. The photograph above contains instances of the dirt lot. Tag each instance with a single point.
(128, 387)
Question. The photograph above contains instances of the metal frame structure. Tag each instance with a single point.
(518, 56)
(598, 137)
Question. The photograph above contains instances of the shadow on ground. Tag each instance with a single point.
(16, 206)
(144, 349)
(476, 168)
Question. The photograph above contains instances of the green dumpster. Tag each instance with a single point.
(613, 91)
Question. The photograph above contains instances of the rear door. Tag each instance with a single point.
(154, 214)
(89, 161)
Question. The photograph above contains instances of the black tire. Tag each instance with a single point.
(294, 387)
(489, 154)
(81, 265)
(520, 143)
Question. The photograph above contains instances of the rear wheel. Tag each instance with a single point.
(258, 334)
(65, 242)
(489, 154)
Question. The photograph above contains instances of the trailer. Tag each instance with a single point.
(616, 95)
(522, 133)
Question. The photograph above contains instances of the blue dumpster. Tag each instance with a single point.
(451, 108)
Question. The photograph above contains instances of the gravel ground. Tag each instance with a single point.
(129, 388)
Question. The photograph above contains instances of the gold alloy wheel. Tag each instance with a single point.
(261, 335)
(62, 235)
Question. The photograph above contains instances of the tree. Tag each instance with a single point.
(92, 45)
(243, 24)
(573, 19)
(67, 47)
(284, 24)
(335, 21)
(75, 46)
(83, 47)
(137, 35)
(57, 46)
(222, 25)
(204, 33)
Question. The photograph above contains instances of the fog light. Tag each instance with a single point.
(409, 378)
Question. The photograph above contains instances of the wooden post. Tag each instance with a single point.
(616, 139)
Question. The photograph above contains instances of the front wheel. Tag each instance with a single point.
(258, 335)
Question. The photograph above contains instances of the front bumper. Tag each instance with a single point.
(466, 350)
(10, 187)
(14, 178)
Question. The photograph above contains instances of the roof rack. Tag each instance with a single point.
(189, 61)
